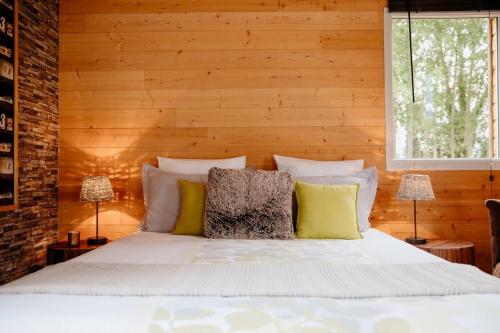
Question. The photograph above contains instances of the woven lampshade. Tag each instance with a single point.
(415, 187)
(96, 188)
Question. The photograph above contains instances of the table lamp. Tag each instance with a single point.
(96, 189)
(415, 187)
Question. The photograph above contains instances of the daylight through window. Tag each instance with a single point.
(455, 111)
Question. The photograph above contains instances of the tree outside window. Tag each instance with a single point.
(451, 115)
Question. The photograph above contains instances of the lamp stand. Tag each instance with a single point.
(97, 240)
(415, 240)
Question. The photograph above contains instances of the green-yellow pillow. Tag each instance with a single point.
(190, 221)
(327, 211)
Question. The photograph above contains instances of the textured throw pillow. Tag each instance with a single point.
(248, 204)
(190, 221)
(327, 211)
(367, 181)
(162, 198)
(199, 166)
(310, 168)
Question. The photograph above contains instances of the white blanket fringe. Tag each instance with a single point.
(235, 279)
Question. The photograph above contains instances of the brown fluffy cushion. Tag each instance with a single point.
(248, 204)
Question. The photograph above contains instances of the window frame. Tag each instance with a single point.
(393, 163)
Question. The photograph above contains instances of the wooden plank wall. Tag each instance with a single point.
(221, 78)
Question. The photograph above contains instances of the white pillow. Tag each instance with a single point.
(298, 167)
(367, 180)
(496, 272)
(162, 198)
(198, 166)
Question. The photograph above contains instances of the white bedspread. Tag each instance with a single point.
(75, 313)
(324, 280)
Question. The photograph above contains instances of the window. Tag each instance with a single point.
(453, 122)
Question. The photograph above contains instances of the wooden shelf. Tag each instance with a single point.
(4, 106)
(9, 88)
(6, 154)
(4, 57)
(7, 41)
(6, 81)
(6, 132)
(8, 208)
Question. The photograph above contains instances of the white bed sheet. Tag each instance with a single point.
(58, 313)
(147, 247)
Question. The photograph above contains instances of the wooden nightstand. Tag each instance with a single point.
(461, 252)
(60, 251)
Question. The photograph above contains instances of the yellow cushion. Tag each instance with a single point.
(190, 221)
(327, 211)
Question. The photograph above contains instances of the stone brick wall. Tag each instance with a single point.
(26, 232)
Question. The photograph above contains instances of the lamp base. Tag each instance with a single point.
(416, 241)
(97, 240)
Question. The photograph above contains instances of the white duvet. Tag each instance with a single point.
(70, 313)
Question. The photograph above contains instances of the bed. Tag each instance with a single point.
(64, 311)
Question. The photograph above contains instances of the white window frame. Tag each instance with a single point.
(392, 163)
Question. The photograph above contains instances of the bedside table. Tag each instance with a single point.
(60, 251)
(457, 251)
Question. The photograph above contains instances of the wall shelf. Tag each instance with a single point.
(6, 132)
(6, 81)
(6, 107)
(8, 112)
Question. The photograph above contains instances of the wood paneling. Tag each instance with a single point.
(104, 59)
(231, 21)
(153, 6)
(211, 79)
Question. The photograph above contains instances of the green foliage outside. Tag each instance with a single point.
(450, 117)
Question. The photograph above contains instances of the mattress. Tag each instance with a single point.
(74, 313)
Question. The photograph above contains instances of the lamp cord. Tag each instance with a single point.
(415, 217)
(97, 220)
(491, 177)
(411, 51)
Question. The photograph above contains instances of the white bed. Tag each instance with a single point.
(76, 313)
